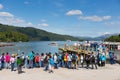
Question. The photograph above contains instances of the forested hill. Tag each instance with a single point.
(114, 38)
(15, 34)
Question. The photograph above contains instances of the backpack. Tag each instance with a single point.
(93, 58)
(65, 58)
(37, 58)
(73, 57)
(2, 58)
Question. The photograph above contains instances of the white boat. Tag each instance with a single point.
(53, 44)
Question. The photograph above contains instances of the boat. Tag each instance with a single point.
(53, 44)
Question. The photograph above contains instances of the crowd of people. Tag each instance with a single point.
(51, 61)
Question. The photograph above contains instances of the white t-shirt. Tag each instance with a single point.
(12, 60)
(55, 58)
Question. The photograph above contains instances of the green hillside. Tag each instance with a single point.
(115, 38)
(15, 34)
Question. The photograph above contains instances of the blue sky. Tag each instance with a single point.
(72, 17)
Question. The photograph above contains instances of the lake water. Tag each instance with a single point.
(37, 47)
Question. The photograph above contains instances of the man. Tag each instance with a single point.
(19, 65)
(93, 61)
(23, 59)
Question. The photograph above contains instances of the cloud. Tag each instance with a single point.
(6, 14)
(1, 6)
(30, 24)
(113, 24)
(9, 19)
(95, 18)
(74, 12)
(55, 14)
(43, 25)
(43, 20)
(26, 2)
(58, 4)
(106, 33)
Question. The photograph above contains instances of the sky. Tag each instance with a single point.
(89, 18)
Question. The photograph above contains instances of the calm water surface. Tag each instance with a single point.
(37, 47)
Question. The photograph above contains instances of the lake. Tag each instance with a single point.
(37, 47)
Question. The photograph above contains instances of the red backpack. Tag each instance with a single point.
(37, 58)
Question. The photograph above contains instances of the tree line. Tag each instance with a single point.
(114, 38)
(14, 34)
(13, 37)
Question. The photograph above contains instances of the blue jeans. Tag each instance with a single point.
(12, 66)
(41, 63)
(112, 61)
(63, 64)
(60, 63)
(69, 64)
(47, 67)
(2, 65)
(56, 65)
(31, 64)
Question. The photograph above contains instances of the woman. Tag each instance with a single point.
(51, 64)
(12, 61)
(2, 59)
(7, 59)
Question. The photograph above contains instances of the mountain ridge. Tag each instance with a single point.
(35, 34)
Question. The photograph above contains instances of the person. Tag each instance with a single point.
(79, 60)
(60, 60)
(99, 58)
(55, 57)
(12, 61)
(31, 58)
(76, 64)
(69, 61)
(19, 65)
(87, 59)
(0, 65)
(93, 61)
(66, 59)
(82, 59)
(42, 60)
(2, 58)
(46, 62)
(27, 61)
(23, 59)
(37, 60)
(51, 64)
(103, 60)
(7, 59)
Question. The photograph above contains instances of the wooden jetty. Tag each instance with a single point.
(86, 49)
(78, 51)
